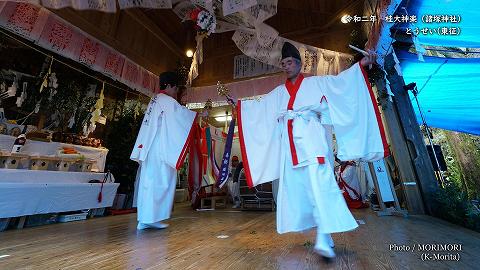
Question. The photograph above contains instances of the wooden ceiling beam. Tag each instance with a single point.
(309, 12)
(146, 22)
(333, 19)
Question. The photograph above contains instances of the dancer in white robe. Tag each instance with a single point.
(283, 136)
(160, 150)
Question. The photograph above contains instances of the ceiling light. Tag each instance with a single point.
(345, 18)
(189, 53)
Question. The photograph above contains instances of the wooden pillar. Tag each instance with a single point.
(413, 142)
(398, 147)
(41, 120)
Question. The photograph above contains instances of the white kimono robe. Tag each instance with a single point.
(283, 136)
(160, 150)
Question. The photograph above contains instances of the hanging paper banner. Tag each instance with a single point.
(157, 85)
(232, 6)
(60, 37)
(89, 51)
(155, 82)
(131, 74)
(223, 176)
(23, 19)
(145, 4)
(244, 67)
(146, 80)
(100, 5)
(113, 64)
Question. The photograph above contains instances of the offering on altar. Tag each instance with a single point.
(39, 135)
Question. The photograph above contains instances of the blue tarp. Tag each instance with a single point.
(469, 12)
(449, 90)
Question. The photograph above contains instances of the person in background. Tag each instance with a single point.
(160, 151)
(233, 186)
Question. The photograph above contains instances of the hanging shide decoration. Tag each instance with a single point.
(96, 113)
(46, 76)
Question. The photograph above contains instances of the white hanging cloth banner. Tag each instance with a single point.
(100, 5)
(206, 4)
(145, 4)
(233, 6)
(244, 67)
(246, 41)
(315, 60)
(255, 16)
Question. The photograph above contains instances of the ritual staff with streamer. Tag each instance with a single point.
(160, 150)
(282, 136)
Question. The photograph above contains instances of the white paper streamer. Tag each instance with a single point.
(233, 6)
(397, 66)
(101, 5)
(389, 89)
(71, 121)
(418, 47)
(145, 3)
(193, 73)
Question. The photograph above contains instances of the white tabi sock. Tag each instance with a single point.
(156, 225)
(323, 245)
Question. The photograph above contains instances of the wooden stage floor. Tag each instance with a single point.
(194, 241)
